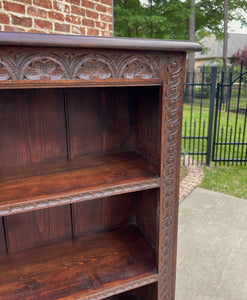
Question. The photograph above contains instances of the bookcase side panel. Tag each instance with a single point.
(147, 122)
(147, 215)
(172, 101)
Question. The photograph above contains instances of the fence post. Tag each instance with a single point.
(211, 114)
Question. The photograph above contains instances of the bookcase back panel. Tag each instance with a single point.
(2, 238)
(101, 214)
(32, 126)
(100, 120)
(41, 227)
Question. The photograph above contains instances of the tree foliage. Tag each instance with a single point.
(169, 18)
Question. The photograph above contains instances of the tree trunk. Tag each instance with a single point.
(191, 56)
(225, 48)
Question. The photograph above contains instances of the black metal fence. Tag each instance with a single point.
(214, 117)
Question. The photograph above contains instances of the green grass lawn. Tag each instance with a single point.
(228, 180)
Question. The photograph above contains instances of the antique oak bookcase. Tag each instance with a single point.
(89, 166)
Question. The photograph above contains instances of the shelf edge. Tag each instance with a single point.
(31, 205)
(119, 289)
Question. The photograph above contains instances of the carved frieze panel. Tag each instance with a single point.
(42, 68)
(45, 64)
(7, 69)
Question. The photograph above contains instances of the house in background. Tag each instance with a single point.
(214, 55)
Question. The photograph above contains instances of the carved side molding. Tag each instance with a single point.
(172, 106)
(80, 65)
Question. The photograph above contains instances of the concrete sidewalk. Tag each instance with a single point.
(212, 247)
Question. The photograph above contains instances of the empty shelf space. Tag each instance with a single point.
(67, 181)
(94, 263)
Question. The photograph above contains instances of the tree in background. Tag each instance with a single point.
(239, 55)
(169, 19)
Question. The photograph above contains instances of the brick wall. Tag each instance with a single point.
(83, 17)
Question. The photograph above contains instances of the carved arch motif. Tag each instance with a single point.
(43, 67)
(7, 70)
(93, 67)
(138, 67)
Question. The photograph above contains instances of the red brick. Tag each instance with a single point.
(73, 19)
(106, 18)
(14, 7)
(92, 31)
(87, 3)
(21, 21)
(36, 12)
(109, 10)
(62, 27)
(13, 29)
(110, 27)
(101, 25)
(25, 1)
(61, 7)
(101, 8)
(76, 2)
(43, 24)
(43, 3)
(77, 10)
(91, 14)
(107, 2)
(106, 33)
(78, 30)
(36, 30)
(88, 22)
(56, 16)
(4, 18)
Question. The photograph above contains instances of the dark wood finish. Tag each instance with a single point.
(2, 238)
(80, 179)
(147, 214)
(172, 100)
(52, 40)
(146, 292)
(77, 268)
(38, 228)
(28, 132)
(101, 214)
(147, 120)
(99, 120)
(96, 121)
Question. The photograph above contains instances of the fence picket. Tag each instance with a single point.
(222, 138)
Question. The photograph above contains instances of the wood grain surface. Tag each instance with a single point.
(63, 178)
(77, 268)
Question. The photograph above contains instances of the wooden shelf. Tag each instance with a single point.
(97, 263)
(52, 183)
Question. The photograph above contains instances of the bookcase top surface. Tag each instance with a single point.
(72, 41)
